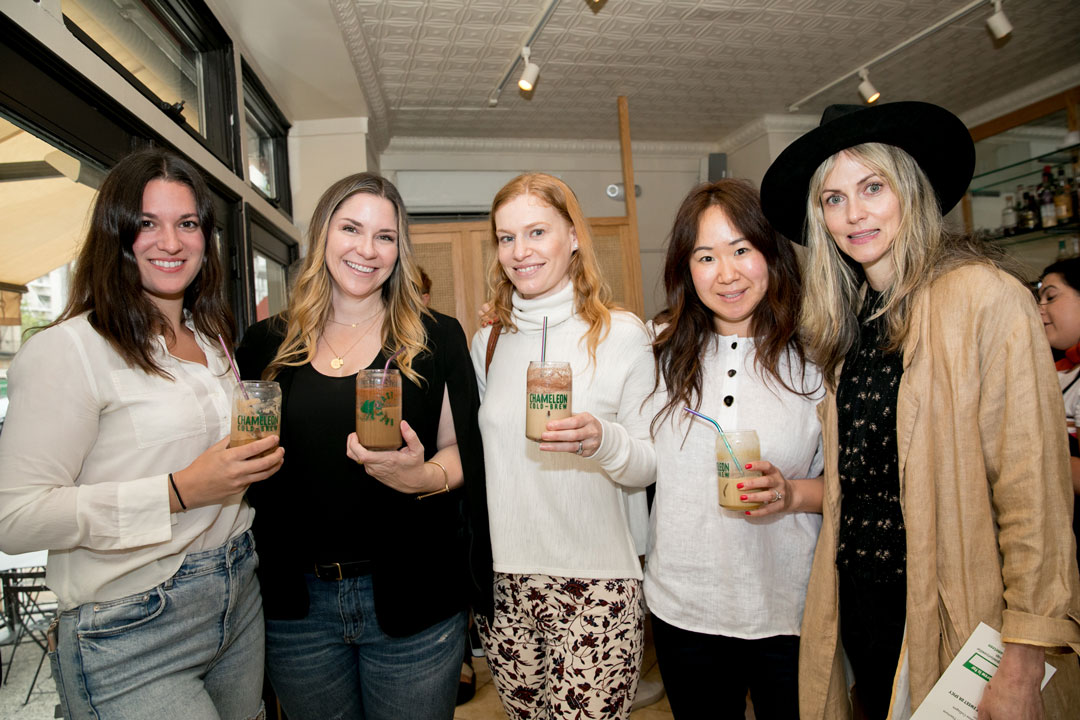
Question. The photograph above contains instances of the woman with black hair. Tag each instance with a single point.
(1059, 307)
(726, 587)
(114, 457)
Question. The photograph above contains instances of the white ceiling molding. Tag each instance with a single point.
(330, 126)
(1035, 91)
(348, 19)
(543, 145)
(763, 126)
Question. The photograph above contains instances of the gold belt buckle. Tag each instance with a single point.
(340, 576)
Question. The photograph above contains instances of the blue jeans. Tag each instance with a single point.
(707, 676)
(189, 648)
(337, 664)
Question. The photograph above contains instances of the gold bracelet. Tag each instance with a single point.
(446, 481)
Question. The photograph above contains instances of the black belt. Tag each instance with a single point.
(340, 571)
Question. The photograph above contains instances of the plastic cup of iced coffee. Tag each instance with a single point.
(548, 395)
(256, 412)
(729, 473)
(378, 409)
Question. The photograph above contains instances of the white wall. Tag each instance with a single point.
(438, 174)
(321, 152)
(752, 148)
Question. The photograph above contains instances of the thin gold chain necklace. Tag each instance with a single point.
(338, 360)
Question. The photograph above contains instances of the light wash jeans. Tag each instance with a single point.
(337, 664)
(189, 648)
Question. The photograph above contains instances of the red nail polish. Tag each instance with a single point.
(747, 512)
(748, 465)
(739, 486)
(743, 498)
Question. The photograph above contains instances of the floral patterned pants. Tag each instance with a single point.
(565, 647)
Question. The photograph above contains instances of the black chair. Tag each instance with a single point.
(28, 615)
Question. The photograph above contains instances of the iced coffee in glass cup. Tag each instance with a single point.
(548, 394)
(378, 409)
(256, 412)
(729, 474)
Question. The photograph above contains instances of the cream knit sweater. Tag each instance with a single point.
(556, 513)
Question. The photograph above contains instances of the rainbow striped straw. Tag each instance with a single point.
(543, 340)
(738, 465)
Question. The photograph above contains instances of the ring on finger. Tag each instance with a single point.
(580, 446)
(779, 495)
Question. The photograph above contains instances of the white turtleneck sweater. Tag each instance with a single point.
(556, 513)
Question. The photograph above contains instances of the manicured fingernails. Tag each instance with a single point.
(747, 512)
(739, 486)
(743, 498)
(748, 465)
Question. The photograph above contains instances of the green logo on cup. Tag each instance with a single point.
(372, 410)
(257, 423)
(548, 401)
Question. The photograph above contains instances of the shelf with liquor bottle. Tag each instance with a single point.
(1026, 171)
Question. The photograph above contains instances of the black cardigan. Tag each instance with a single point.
(436, 558)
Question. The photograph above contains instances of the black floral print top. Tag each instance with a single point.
(873, 545)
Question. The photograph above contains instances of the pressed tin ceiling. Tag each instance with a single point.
(693, 70)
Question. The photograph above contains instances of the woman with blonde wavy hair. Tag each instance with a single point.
(568, 627)
(946, 468)
(369, 559)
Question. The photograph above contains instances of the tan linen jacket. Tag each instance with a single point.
(985, 491)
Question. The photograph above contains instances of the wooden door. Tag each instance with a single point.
(456, 256)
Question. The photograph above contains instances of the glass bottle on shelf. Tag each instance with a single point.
(1063, 253)
(1029, 215)
(1048, 214)
(1008, 217)
(1062, 199)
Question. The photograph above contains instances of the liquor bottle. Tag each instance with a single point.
(1030, 213)
(1046, 207)
(1062, 199)
(1008, 217)
(1046, 198)
(1062, 254)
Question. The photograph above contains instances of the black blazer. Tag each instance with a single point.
(436, 558)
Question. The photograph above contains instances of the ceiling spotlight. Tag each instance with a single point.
(531, 72)
(998, 23)
(866, 88)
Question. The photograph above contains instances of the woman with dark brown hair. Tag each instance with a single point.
(114, 457)
(726, 587)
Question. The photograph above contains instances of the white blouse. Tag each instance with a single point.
(717, 571)
(84, 460)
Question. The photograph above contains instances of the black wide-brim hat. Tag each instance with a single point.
(938, 141)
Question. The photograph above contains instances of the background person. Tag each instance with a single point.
(368, 559)
(725, 587)
(568, 627)
(1059, 307)
(114, 458)
(946, 473)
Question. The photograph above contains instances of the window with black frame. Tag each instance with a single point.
(175, 53)
(266, 131)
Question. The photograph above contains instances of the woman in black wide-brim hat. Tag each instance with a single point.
(946, 466)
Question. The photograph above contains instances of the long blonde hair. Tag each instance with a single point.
(310, 300)
(592, 295)
(922, 250)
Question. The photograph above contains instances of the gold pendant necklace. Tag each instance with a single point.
(338, 361)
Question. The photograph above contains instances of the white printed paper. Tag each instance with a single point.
(957, 693)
